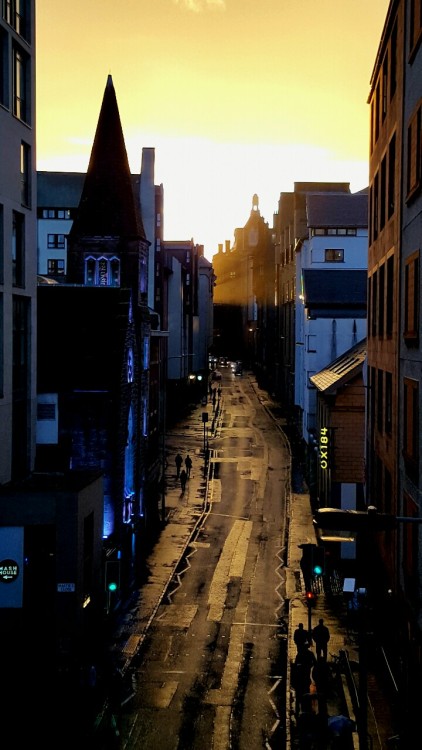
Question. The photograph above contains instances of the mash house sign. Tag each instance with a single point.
(9, 571)
(11, 566)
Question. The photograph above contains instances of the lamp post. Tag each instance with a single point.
(336, 525)
(205, 420)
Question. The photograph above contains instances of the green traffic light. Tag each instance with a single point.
(112, 586)
(318, 570)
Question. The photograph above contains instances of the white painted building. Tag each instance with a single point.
(331, 283)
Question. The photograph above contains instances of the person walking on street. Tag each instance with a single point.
(183, 479)
(301, 637)
(188, 464)
(321, 636)
(178, 461)
(302, 673)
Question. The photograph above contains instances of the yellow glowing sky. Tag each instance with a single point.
(237, 97)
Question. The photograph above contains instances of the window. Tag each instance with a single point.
(25, 174)
(18, 249)
(384, 86)
(4, 68)
(414, 154)
(380, 400)
(1, 245)
(391, 197)
(56, 241)
(1, 347)
(369, 303)
(56, 213)
(331, 232)
(411, 428)
(374, 304)
(383, 190)
(16, 14)
(411, 300)
(102, 271)
(393, 66)
(388, 402)
(377, 112)
(130, 365)
(21, 88)
(415, 26)
(334, 256)
(381, 303)
(372, 393)
(372, 124)
(48, 213)
(55, 267)
(390, 296)
(375, 207)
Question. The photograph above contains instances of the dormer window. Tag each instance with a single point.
(102, 271)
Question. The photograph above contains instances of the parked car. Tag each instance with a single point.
(216, 375)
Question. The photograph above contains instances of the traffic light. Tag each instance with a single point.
(313, 561)
(310, 599)
(112, 575)
(318, 561)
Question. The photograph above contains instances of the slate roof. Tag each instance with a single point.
(337, 210)
(64, 189)
(335, 293)
(59, 189)
(341, 370)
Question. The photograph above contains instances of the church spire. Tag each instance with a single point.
(108, 206)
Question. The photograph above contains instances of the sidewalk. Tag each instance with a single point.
(301, 531)
(183, 512)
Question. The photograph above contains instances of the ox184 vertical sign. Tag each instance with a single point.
(323, 448)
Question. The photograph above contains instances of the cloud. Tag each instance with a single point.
(198, 5)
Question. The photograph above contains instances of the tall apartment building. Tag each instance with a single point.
(394, 346)
(18, 240)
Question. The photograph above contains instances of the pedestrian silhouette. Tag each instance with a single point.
(178, 461)
(321, 675)
(321, 636)
(301, 673)
(301, 637)
(183, 479)
(188, 464)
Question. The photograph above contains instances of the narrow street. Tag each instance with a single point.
(210, 671)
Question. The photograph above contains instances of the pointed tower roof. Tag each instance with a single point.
(108, 206)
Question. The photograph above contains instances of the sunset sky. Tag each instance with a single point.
(236, 96)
